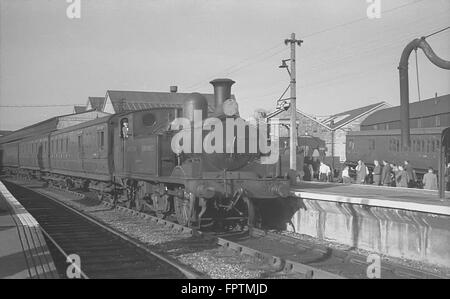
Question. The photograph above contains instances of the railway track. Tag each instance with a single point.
(103, 252)
(291, 255)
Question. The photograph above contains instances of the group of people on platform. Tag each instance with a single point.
(389, 174)
(382, 174)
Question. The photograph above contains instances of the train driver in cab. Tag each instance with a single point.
(124, 128)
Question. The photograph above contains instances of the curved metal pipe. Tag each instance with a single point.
(404, 81)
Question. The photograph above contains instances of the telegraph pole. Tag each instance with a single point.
(293, 102)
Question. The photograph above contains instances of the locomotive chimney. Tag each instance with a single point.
(222, 92)
(173, 88)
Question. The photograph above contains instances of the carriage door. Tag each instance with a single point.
(80, 149)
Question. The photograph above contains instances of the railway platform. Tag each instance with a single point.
(23, 250)
(406, 223)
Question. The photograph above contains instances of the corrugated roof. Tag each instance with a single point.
(5, 132)
(338, 120)
(47, 125)
(430, 107)
(283, 114)
(138, 100)
(97, 103)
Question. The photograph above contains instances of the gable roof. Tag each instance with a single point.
(138, 100)
(430, 107)
(96, 103)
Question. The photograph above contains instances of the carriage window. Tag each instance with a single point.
(79, 143)
(417, 146)
(100, 139)
(394, 145)
(351, 145)
(371, 144)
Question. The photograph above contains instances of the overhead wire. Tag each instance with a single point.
(304, 36)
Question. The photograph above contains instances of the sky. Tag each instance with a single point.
(346, 60)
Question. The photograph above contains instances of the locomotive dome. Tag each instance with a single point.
(195, 101)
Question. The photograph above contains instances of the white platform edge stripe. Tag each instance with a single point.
(383, 203)
(22, 214)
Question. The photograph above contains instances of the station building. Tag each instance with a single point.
(332, 130)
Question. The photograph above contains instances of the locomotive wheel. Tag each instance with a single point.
(139, 205)
(182, 211)
(160, 205)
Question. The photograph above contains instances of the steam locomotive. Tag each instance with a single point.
(129, 159)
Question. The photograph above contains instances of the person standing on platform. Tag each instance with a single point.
(361, 172)
(430, 180)
(346, 179)
(394, 171)
(324, 172)
(386, 174)
(402, 177)
(377, 173)
(447, 177)
(411, 174)
(311, 171)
